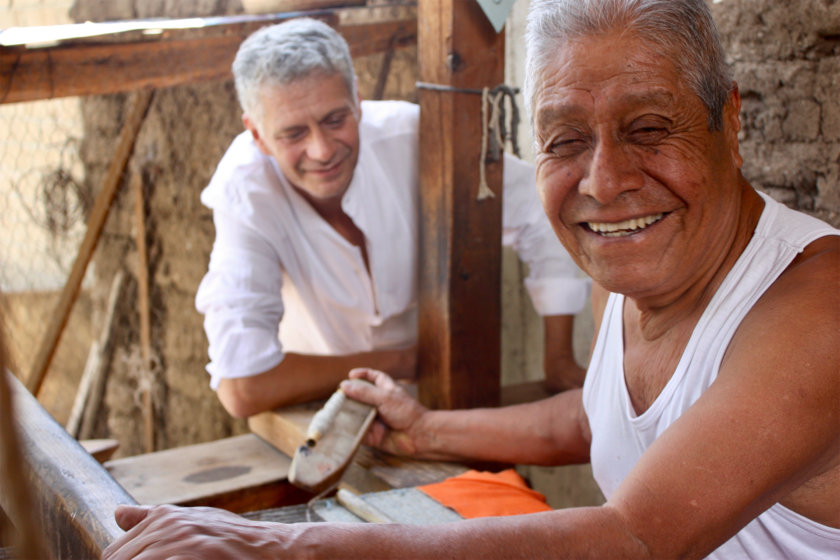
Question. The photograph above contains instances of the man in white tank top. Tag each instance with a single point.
(711, 408)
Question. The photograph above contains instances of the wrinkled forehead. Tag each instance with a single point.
(600, 70)
(597, 58)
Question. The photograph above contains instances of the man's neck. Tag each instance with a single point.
(656, 316)
(332, 213)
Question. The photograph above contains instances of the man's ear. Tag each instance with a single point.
(732, 123)
(255, 133)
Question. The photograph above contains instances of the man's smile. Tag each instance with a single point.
(625, 227)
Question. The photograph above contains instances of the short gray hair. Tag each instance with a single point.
(684, 29)
(283, 53)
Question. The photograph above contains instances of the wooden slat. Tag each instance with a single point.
(240, 473)
(460, 280)
(175, 57)
(75, 495)
(101, 449)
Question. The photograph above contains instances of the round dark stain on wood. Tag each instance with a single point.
(217, 473)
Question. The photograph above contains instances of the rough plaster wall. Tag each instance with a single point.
(786, 60)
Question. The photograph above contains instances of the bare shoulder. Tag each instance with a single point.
(786, 351)
(804, 297)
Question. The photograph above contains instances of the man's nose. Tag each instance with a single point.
(612, 170)
(319, 146)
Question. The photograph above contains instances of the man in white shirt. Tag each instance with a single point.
(316, 213)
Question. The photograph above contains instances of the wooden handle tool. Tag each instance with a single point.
(332, 439)
(360, 508)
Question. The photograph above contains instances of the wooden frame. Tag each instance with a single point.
(100, 65)
(460, 248)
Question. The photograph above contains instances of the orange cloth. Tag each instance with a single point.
(485, 494)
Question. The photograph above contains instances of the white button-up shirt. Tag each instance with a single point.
(281, 279)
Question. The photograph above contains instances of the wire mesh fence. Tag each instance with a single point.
(44, 203)
(43, 207)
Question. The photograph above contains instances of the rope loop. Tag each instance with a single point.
(496, 128)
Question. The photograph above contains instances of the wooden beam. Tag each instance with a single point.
(460, 279)
(75, 496)
(171, 58)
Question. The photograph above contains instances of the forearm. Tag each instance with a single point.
(160, 532)
(547, 432)
(562, 371)
(596, 532)
(302, 377)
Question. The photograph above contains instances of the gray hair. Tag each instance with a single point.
(683, 29)
(283, 53)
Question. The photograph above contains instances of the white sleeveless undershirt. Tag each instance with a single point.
(620, 436)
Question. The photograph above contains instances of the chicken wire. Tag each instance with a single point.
(44, 203)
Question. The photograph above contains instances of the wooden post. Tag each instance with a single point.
(460, 278)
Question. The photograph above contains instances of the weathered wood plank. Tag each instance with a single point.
(172, 58)
(75, 495)
(240, 473)
(460, 248)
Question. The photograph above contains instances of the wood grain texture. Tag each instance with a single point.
(460, 248)
(134, 61)
(240, 473)
(317, 467)
(75, 496)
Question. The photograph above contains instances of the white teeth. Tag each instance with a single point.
(617, 229)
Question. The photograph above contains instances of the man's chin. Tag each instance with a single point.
(325, 191)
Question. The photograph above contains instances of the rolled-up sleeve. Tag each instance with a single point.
(240, 297)
(555, 283)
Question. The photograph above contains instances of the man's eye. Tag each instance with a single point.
(647, 134)
(335, 121)
(567, 147)
(292, 136)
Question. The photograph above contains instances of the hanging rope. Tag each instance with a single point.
(496, 129)
(495, 133)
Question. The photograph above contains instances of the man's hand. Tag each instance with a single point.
(396, 428)
(196, 532)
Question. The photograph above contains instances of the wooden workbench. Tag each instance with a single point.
(249, 472)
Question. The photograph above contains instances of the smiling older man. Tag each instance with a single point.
(710, 408)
